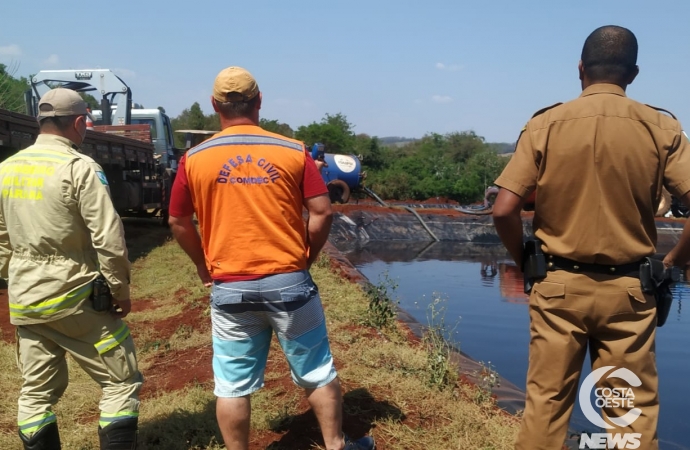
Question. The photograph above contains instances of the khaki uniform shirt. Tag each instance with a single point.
(598, 164)
(58, 229)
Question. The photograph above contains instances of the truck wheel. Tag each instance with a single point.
(338, 191)
(664, 204)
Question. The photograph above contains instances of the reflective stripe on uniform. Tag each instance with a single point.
(35, 423)
(41, 155)
(51, 306)
(113, 340)
(108, 418)
(245, 139)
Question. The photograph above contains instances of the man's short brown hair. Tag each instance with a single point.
(59, 123)
(231, 110)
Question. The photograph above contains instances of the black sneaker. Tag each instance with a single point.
(363, 443)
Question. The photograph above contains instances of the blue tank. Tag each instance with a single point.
(342, 167)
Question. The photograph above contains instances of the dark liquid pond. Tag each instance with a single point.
(483, 295)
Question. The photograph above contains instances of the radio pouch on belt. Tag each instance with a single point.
(657, 280)
(533, 264)
(101, 297)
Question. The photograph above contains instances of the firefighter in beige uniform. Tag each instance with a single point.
(58, 230)
(598, 164)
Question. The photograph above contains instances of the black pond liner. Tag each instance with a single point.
(358, 227)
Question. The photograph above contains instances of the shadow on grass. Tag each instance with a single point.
(181, 430)
(143, 235)
(360, 411)
(184, 430)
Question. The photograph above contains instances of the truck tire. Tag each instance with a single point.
(338, 191)
(664, 204)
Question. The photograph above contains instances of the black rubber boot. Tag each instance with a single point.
(119, 435)
(47, 438)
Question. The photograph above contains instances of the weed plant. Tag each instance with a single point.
(440, 370)
(382, 309)
(487, 380)
(323, 261)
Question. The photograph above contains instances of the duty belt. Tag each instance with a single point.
(558, 263)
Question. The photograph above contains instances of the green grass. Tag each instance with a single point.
(385, 378)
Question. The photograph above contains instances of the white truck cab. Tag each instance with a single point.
(161, 130)
(114, 92)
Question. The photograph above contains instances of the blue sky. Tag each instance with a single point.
(394, 68)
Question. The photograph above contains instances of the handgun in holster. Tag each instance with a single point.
(533, 264)
(101, 296)
(655, 279)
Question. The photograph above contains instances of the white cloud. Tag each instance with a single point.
(441, 99)
(52, 60)
(449, 67)
(10, 50)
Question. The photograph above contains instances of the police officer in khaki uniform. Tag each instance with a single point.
(58, 230)
(598, 164)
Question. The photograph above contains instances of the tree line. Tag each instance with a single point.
(457, 166)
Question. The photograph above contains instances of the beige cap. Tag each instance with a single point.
(61, 102)
(235, 84)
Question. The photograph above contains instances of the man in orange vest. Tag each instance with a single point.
(248, 188)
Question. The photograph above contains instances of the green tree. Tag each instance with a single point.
(461, 146)
(12, 89)
(277, 127)
(193, 118)
(335, 132)
(458, 166)
(480, 171)
(196, 119)
(373, 155)
(212, 122)
(91, 101)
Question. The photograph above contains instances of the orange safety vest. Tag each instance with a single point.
(245, 184)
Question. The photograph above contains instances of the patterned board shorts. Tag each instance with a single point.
(244, 315)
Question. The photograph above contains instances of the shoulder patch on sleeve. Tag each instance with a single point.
(662, 110)
(101, 176)
(543, 110)
(519, 136)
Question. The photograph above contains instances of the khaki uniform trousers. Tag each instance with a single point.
(41, 350)
(611, 315)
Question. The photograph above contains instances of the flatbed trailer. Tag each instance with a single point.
(139, 185)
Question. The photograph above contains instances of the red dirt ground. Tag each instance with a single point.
(175, 370)
(374, 207)
(6, 328)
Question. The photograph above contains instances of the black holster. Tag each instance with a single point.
(101, 297)
(657, 280)
(533, 264)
